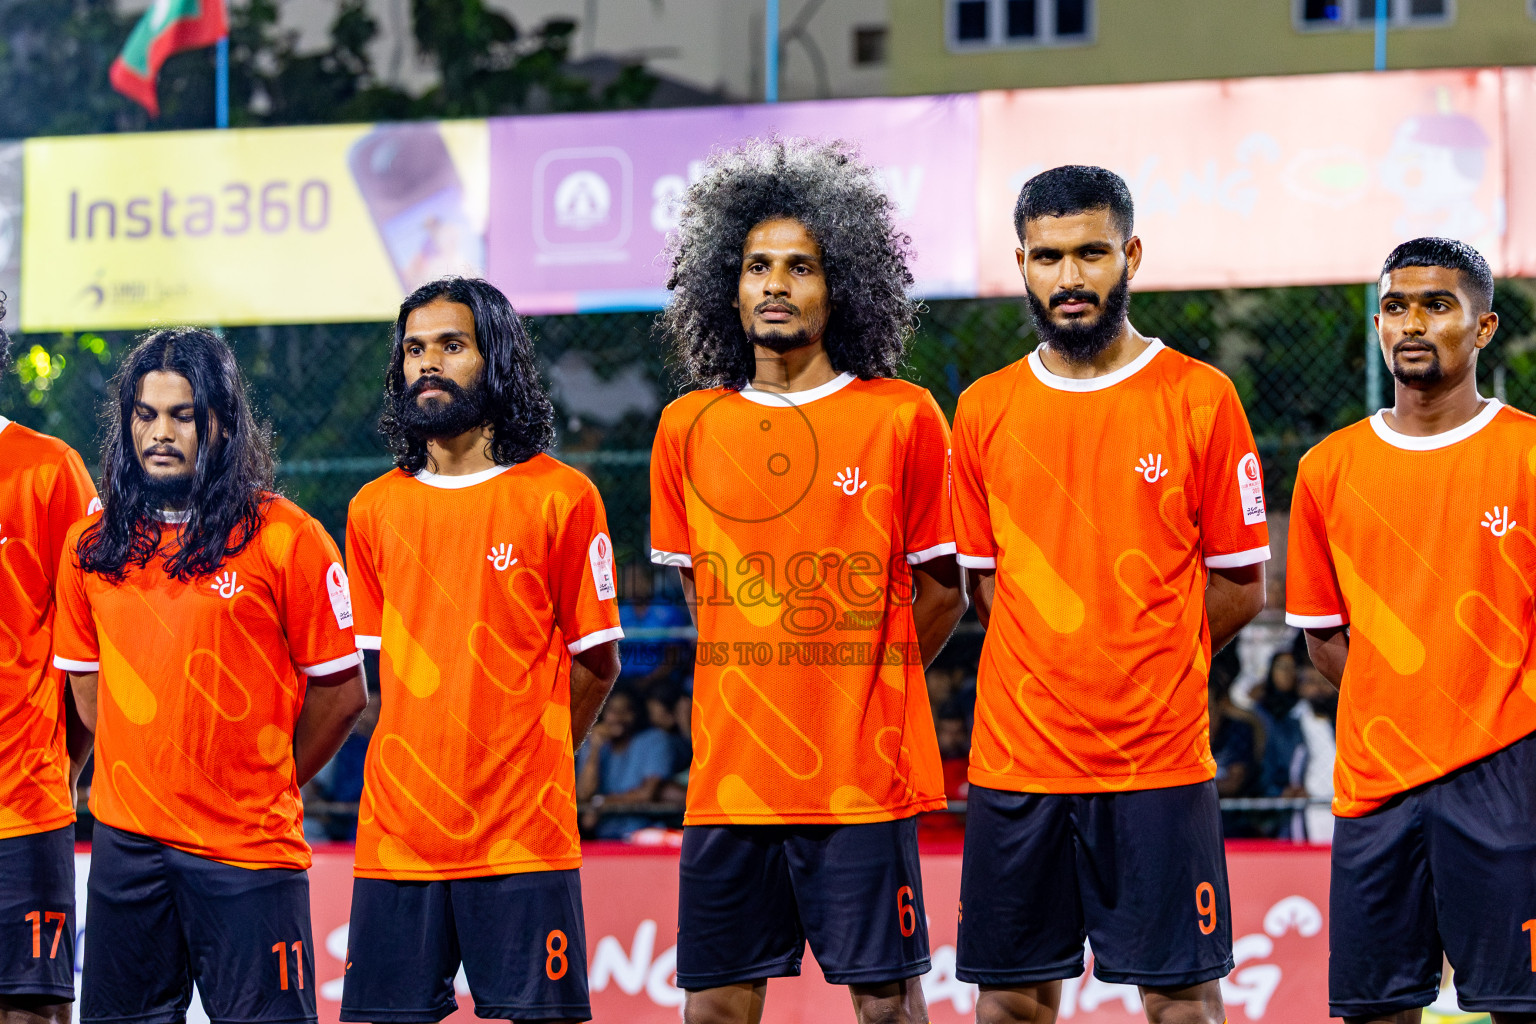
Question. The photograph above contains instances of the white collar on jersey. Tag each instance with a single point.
(4, 423)
(1445, 439)
(173, 517)
(1109, 380)
(453, 483)
(782, 398)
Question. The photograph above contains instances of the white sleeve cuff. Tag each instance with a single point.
(927, 554)
(1239, 558)
(326, 668)
(76, 666)
(368, 643)
(976, 561)
(1313, 621)
(591, 640)
(671, 558)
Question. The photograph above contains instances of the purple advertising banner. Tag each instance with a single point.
(581, 205)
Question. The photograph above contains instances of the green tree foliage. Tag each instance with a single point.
(54, 56)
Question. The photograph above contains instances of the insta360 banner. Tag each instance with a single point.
(1241, 183)
(286, 225)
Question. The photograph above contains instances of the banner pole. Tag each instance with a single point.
(221, 83)
(1381, 35)
(771, 53)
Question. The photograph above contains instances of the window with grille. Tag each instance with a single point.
(1326, 14)
(987, 24)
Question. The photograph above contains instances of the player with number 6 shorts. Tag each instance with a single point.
(207, 631)
(483, 574)
(1110, 507)
(1411, 567)
(800, 492)
(44, 489)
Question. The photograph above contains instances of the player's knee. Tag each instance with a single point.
(34, 1010)
(1201, 1005)
(1013, 1007)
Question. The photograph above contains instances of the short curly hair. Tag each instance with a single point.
(842, 202)
(5, 341)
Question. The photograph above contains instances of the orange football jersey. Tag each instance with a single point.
(802, 515)
(1102, 504)
(476, 590)
(44, 489)
(1424, 547)
(201, 684)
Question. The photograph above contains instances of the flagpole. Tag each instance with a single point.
(221, 83)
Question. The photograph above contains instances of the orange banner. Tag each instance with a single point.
(1265, 181)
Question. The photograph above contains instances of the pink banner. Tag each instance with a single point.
(1520, 133)
(1265, 181)
(1279, 919)
(581, 205)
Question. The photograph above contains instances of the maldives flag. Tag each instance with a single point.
(167, 28)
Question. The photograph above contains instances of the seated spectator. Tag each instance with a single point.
(662, 703)
(647, 654)
(622, 763)
(954, 750)
(1237, 736)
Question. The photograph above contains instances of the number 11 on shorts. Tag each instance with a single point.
(281, 949)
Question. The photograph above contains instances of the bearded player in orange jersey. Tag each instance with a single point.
(483, 573)
(1110, 507)
(205, 624)
(801, 493)
(44, 489)
(1411, 566)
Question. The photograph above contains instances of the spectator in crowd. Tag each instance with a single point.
(952, 724)
(1311, 772)
(1237, 736)
(662, 704)
(649, 654)
(1273, 701)
(622, 763)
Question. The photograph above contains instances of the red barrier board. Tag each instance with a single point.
(1279, 919)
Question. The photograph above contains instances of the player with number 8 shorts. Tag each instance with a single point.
(1412, 563)
(1109, 506)
(800, 491)
(206, 627)
(44, 489)
(483, 574)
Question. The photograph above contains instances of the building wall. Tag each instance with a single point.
(714, 45)
(1159, 40)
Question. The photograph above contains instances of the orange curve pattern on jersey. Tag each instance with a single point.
(1101, 505)
(44, 490)
(477, 591)
(802, 516)
(1426, 548)
(201, 683)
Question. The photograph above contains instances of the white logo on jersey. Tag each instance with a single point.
(93, 507)
(848, 481)
(501, 557)
(600, 554)
(2, 538)
(226, 585)
(341, 597)
(1151, 468)
(1250, 489)
(1498, 521)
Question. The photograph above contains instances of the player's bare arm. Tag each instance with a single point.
(593, 673)
(82, 686)
(982, 586)
(1329, 649)
(1232, 598)
(77, 739)
(332, 706)
(938, 605)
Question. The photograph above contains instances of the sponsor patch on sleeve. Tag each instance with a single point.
(600, 554)
(341, 597)
(1250, 489)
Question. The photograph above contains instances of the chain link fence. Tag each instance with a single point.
(1298, 356)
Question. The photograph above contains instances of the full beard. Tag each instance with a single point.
(167, 491)
(462, 411)
(781, 343)
(1421, 376)
(1080, 341)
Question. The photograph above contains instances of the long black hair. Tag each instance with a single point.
(516, 402)
(843, 204)
(232, 477)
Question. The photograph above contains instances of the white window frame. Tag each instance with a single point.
(1397, 17)
(997, 15)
